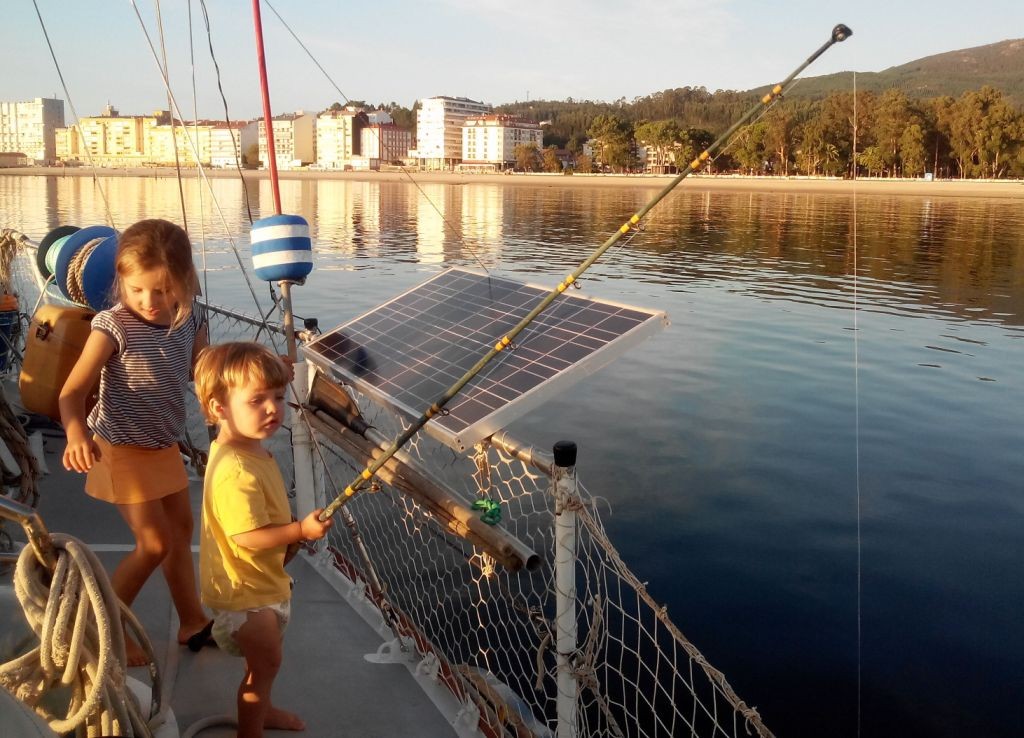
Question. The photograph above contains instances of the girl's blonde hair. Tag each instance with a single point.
(227, 366)
(161, 246)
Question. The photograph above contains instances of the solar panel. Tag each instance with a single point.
(410, 350)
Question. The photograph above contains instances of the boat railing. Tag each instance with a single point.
(495, 633)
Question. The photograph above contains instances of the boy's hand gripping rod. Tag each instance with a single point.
(839, 33)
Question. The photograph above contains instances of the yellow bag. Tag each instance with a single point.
(53, 344)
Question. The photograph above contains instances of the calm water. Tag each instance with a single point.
(727, 446)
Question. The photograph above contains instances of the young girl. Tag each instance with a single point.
(141, 351)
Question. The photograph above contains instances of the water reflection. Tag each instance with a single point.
(954, 256)
(737, 447)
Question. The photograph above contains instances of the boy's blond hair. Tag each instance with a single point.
(228, 366)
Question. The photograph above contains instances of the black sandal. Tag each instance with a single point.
(202, 638)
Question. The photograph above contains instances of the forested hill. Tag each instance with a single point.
(998, 65)
(953, 73)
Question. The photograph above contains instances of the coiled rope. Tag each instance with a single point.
(75, 614)
(76, 270)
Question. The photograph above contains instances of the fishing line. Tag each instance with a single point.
(78, 125)
(458, 233)
(856, 416)
(839, 33)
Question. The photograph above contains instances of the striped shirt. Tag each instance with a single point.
(142, 385)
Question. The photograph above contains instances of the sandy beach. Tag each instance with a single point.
(919, 187)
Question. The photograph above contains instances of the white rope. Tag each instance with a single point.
(75, 614)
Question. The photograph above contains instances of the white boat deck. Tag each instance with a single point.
(325, 677)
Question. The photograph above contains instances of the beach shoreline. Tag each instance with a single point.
(775, 185)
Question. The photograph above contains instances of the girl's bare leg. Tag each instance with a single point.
(146, 521)
(177, 565)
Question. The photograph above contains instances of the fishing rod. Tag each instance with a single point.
(839, 33)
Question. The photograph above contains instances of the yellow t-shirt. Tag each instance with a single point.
(242, 492)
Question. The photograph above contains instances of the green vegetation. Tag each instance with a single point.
(952, 73)
(947, 114)
(979, 134)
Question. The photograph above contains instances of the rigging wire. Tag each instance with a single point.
(174, 133)
(78, 125)
(227, 117)
(202, 170)
(195, 132)
(405, 171)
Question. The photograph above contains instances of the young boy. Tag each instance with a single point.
(247, 524)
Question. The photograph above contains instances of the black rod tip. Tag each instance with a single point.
(841, 33)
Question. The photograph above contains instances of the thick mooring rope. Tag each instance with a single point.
(77, 617)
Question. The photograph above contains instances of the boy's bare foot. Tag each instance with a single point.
(278, 719)
(134, 655)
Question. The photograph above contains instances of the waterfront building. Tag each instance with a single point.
(439, 122)
(28, 128)
(384, 143)
(231, 143)
(338, 137)
(489, 141)
(110, 139)
(13, 159)
(177, 144)
(294, 140)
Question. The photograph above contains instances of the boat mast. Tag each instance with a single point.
(285, 285)
(261, 60)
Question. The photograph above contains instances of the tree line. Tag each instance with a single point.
(977, 135)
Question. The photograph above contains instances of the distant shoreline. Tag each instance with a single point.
(811, 185)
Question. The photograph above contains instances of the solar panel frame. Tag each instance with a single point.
(406, 352)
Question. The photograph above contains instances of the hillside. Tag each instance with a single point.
(1000, 65)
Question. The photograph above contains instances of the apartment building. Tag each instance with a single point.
(29, 127)
(110, 139)
(230, 142)
(439, 122)
(294, 140)
(489, 141)
(114, 140)
(384, 143)
(179, 143)
(338, 137)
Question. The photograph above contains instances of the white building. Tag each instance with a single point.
(230, 142)
(338, 139)
(439, 129)
(294, 140)
(29, 128)
(490, 141)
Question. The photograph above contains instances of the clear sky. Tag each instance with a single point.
(491, 50)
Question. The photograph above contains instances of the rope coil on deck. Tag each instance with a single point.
(76, 615)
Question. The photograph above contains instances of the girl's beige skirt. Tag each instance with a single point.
(125, 475)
